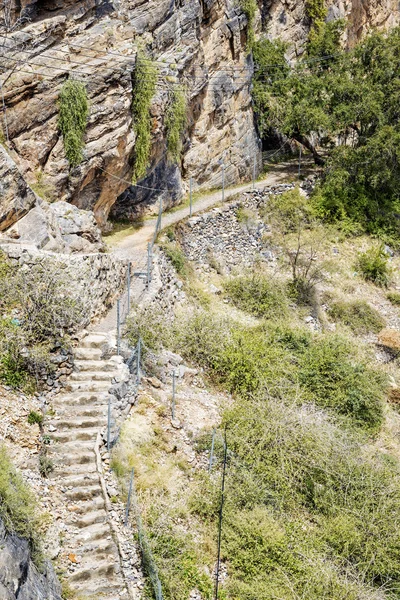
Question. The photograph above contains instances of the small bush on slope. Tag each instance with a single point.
(257, 295)
(358, 315)
(373, 265)
(18, 508)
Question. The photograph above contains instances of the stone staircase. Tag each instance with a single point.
(90, 553)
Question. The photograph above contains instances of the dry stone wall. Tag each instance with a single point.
(97, 279)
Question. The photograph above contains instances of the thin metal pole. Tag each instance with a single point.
(128, 504)
(160, 216)
(149, 261)
(138, 360)
(191, 196)
(118, 326)
(254, 172)
(300, 161)
(129, 286)
(109, 424)
(220, 520)
(223, 182)
(212, 452)
(173, 394)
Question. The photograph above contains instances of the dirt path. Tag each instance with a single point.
(132, 246)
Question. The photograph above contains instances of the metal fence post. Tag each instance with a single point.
(212, 452)
(138, 360)
(129, 286)
(149, 263)
(109, 424)
(128, 504)
(173, 394)
(118, 326)
(191, 196)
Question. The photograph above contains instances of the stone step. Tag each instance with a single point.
(95, 570)
(93, 340)
(111, 588)
(77, 423)
(72, 435)
(90, 518)
(98, 365)
(105, 547)
(88, 386)
(87, 353)
(81, 411)
(84, 507)
(84, 493)
(80, 480)
(93, 532)
(79, 456)
(94, 375)
(74, 469)
(80, 397)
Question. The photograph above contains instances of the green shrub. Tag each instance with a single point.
(394, 298)
(144, 88)
(358, 315)
(304, 498)
(249, 7)
(175, 123)
(18, 508)
(333, 379)
(74, 110)
(373, 265)
(177, 257)
(258, 295)
(35, 417)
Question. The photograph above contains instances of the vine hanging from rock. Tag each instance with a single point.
(175, 123)
(72, 120)
(144, 88)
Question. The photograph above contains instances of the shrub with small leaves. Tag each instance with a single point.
(35, 418)
(358, 315)
(72, 120)
(373, 266)
(394, 298)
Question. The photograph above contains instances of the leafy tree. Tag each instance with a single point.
(344, 107)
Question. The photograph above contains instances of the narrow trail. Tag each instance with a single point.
(134, 246)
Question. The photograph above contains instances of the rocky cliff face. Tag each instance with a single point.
(199, 45)
(97, 43)
(19, 577)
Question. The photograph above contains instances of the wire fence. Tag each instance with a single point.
(148, 562)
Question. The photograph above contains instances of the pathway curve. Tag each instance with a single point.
(134, 247)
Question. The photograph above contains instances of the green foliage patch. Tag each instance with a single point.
(342, 110)
(258, 295)
(394, 298)
(175, 123)
(72, 119)
(143, 89)
(358, 315)
(249, 7)
(374, 266)
(18, 508)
